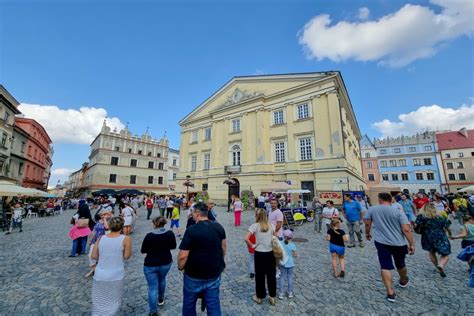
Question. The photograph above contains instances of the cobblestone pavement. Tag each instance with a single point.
(37, 277)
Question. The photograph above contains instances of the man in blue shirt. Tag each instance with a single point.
(353, 213)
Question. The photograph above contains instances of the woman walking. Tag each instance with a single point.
(265, 267)
(157, 246)
(433, 228)
(238, 207)
(110, 250)
(83, 224)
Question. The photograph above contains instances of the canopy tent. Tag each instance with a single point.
(277, 187)
(467, 189)
(130, 191)
(10, 189)
(104, 192)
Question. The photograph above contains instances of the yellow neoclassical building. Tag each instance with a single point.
(266, 129)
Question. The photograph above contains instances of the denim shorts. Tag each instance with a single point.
(175, 223)
(340, 250)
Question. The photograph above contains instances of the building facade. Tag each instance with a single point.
(260, 130)
(370, 165)
(456, 154)
(18, 153)
(409, 162)
(119, 160)
(38, 153)
(8, 110)
(173, 167)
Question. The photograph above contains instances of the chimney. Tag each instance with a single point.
(463, 132)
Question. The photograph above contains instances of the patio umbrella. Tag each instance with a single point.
(130, 191)
(104, 192)
(467, 189)
(10, 189)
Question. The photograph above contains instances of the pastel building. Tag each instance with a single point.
(409, 162)
(370, 165)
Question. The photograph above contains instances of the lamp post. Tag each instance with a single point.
(229, 182)
(187, 184)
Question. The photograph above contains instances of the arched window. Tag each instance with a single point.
(235, 155)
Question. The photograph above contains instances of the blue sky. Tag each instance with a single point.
(150, 63)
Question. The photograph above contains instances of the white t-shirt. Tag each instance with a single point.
(440, 206)
(238, 206)
(330, 212)
(263, 240)
(127, 211)
(17, 212)
(261, 199)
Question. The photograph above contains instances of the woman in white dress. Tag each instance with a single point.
(127, 215)
(111, 250)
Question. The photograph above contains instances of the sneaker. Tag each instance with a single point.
(351, 246)
(391, 297)
(72, 256)
(361, 245)
(21, 230)
(441, 271)
(403, 283)
(290, 294)
(252, 275)
(281, 296)
(161, 301)
(278, 273)
(153, 314)
(342, 274)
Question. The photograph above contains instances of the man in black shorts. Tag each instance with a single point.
(391, 227)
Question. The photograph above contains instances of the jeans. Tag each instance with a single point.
(354, 227)
(251, 263)
(162, 211)
(149, 210)
(286, 275)
(318, 221)
(156, 281)
(169, 211)
(209, 288)
(265, 268)
(75, 243)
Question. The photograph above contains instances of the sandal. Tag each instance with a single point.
(272, 301)
(89, 274)
(256, 299)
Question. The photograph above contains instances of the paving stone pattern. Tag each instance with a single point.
(38, 278)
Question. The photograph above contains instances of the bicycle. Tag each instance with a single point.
(302, 215)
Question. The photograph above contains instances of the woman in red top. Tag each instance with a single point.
(420, 201)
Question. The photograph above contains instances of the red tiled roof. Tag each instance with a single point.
(455, 140)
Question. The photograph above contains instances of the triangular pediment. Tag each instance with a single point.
(242, 89)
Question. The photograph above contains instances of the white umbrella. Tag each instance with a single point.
(10, 189)
(298, 191)
(467, 189)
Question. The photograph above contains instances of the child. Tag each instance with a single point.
(336, 238)
(251, 262)
(467, 232)
(175, 219)
(286, 268)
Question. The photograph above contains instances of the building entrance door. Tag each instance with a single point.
(308, 185)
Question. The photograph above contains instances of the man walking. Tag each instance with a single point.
(391, 227)
(201, 256)
(353, 213)
(149, 206)
(276, 218)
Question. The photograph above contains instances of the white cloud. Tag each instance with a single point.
(364, 13)
(395, 40)
(61, 172)
(70, 125)
(433, 117)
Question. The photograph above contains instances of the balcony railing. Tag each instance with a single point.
(233, 169)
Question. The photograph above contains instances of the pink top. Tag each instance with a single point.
(238, 206)
(77, 232)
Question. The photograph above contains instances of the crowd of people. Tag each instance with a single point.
(272, 254)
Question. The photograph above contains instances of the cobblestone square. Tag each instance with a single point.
(38, 278)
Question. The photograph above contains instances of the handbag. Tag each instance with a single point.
(83, 222)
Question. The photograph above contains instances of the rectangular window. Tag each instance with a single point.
(133, 179)
(280, 152)
(412, 149)
(140, 152)
(397, 150)
(460, 165)
(205, 186)
(149, 153)
(114, 161)
(385, 177)
(130, 150)
(207, 133)
(460, 155)
(393, 163)
(22, 147)
(158, 155)
(160, 180)
(428, 148)
(193, 163)
(305, 149)
(117, 148)
(430, 176)
(472, 153)
(416, 162)
(383, 163)
(404, 176)
(419, 176)
(174, 176)
(462, 176)
(447, 155)
(133, 163)
(194, 137)
(7, 116)
(303, 111)
(427, 161)
(367, 155)
(150, 179)
(383, 151)
(174, 162)
(207, 161)
(4, 139)
(161, 166)
(394, 177)
(402, 162)
(112, 178)
(449, 165)
(370, 164)
(278, 117)
(371, 177)
(20, 168)
(451, 177)
(151, 164)
(235, 125)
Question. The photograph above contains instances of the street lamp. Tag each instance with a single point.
(188, 184)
